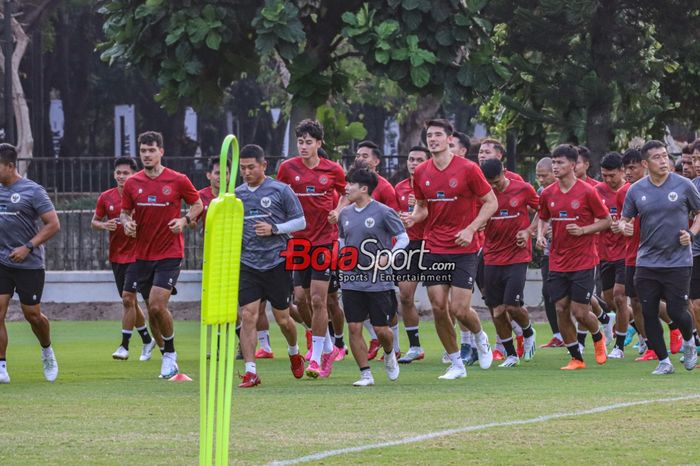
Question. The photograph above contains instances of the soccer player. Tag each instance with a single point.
(576, 212)
(695, 278)
(611, 248)
(211, 192)
(151, 203)
(663, 201)
(583, 164)
(369, 225)
(507, 251)
(272, 212)
(22, 204)
(121, 254)
(493, 149)
(446, 189)
(459, 144)
(314, 180)
(406, 200)
(687, 162)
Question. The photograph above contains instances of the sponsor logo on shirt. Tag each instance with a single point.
(3, 208)
(440, 194)
(265, 202)
(613, 210)
(673, 196)
(151, 199)
(254, 212)
(15, 198)
(310, 189)
(453, 183)
(563, 214)
(323, 179)
(575, 204)
(503, 212)
(369, 222)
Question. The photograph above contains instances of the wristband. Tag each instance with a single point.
(189, 220)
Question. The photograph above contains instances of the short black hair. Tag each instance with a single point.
(496, 145)
(649, 145)
(631, 156)
(440, 123)
(373, 147)
(584, 152)
(126, 161)
(492, 168)
(213, 162)
(566, 150)
(149, 138)
(695, 145)
(322, 153)
(420, 149)
(463, 139)
(8, 154)
(688, 149)
(363, 177)
(311, 127)
(612, 161)
(679, 167)
(252, 151)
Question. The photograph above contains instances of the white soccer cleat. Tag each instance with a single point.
(454, 372)
(510, 361)
(530, 346)
(168, 367)
(690, 355)
(366, 380)
(48, 360)
(391, 366)
(446, 358)
(122, 354)
(4, 376)
(608, 330)
(147, 350)
(616, 353)
(484, 350)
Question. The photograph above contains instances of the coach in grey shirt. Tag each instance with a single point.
(664, 201)
(22, 204)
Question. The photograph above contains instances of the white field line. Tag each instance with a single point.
(460, 430)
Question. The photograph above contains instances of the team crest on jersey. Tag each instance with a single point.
(575, 204)
(265, 202)
(151, 199)
(369, 222)
(166, 190)
(673, 196)
(310, 189)
(15, 198)
(323, 179)
(453, 182)
(514, 203)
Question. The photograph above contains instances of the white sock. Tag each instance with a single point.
(366, 373)
(499, 341)
(368, 325)
(317, 348)
(250, 367)
(328, 342)
(517, 329)
(665, 361)
(264, 340)
(397, 344)
(558, 335)
(472, 339)
(456, 359)
(465, 337)
(293, 350)
(690, 342)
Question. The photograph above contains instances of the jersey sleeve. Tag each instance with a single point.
(544, 210)
(339, 184)
(393, 223)
(629, 209)
(596, 204)
(533, 200)
(187, 190)
(389, 197)
(292, 206)
(282, 173)
(100, 208)
(477, 182)
(41, 202)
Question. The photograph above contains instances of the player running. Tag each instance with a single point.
(151, 203)
(22, 204)
(121, 255)
(446, 189)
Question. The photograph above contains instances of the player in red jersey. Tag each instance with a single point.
(151, 203)
(583, 164)
(406, 200)
(314, 180)
(575, 211)
(507, 251)
(493, 149)
(121, 254)
(446, 189)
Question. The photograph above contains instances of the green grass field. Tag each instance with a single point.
(102, 411)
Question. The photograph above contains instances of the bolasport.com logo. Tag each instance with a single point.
(368, 263)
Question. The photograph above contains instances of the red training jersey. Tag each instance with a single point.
(512, 176)
(315, 188)
(631, 242)
(385, 193)
(580, 205)
(121, 247)
(451, 195)
(591, 181)
(206, 195)
(512, 216)
(611, 247)
(155, 202)
(403, 190)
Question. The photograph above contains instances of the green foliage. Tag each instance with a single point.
(337, 132)
(278, 27)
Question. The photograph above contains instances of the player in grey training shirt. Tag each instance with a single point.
(664, 201)
(22, 204)
(272, 212)
(368, 227)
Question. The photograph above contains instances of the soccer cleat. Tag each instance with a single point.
(609, 329)
(446, 358)
(122, 354)
(511, 361)
(373, 349)
(484, 350)
(649, 355)
(297, 365)
(682, 358)
(414, 353)
(529, 346)
(663, 368)
(391, 366)
(642, 347)
(48, 360)
(397, 353)
(553, 343)
(313, 370)
(366, 380)
(574, 364)
(601, 352)
(520, 346)
(616, 353)
(690, 356)
(454, 372)
(147, 350)
(168, 367)
(675, 341)
(470, 357)
(630, 335)
(249, 380)
(264, 354)
(4, 376)
(327, 361)
(465, 351)
(498, 356)
(341, 354)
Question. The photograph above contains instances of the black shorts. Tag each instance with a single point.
(303, 278)
(412, 269)
(630, 288)
(334, 283)
(506, 284)
(575, 285)
(670, 284)
(694, 292)
(379, 306)
(458, 270)
(272, 285)
(480, 277)
(612, 273)
(143, 275)
(119, 271)
(28, 283)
